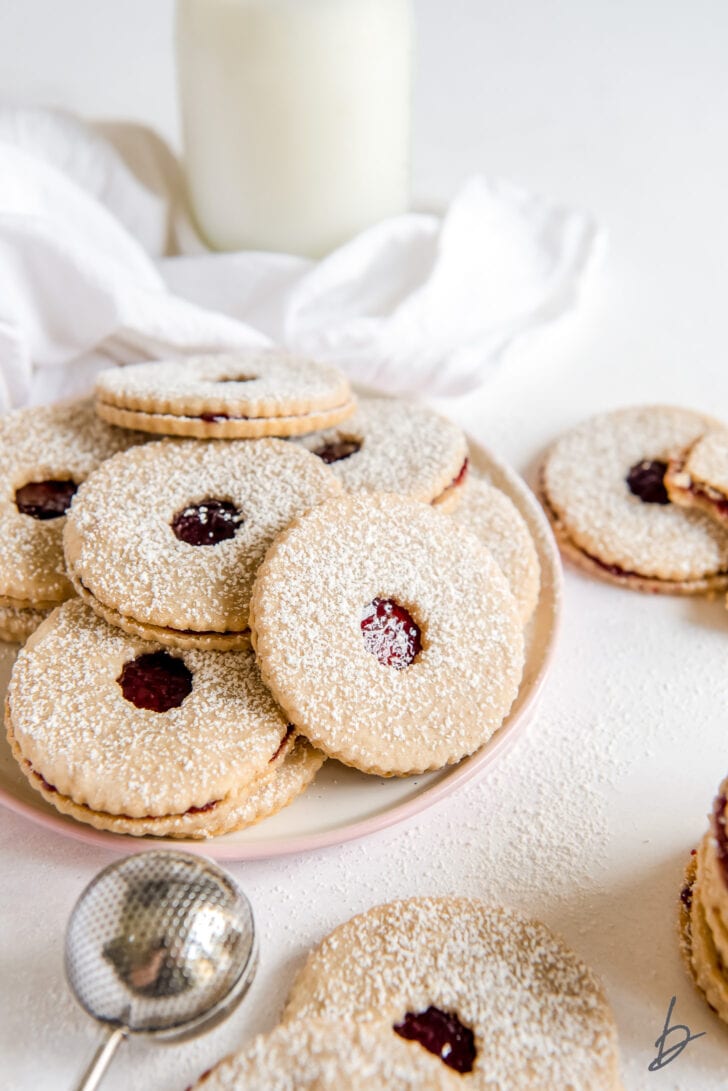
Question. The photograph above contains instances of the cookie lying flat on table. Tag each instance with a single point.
(125, 736)
(45, 454)
(495, 520)
(602, 486)
(497, 997)
(322, 1055)
(241, 395)
(164, 541)
(388, 634)
(698, 476)
(704, 911)
(391, 445)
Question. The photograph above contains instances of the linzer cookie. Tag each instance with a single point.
(498, 998)
(698, 476)
(495, 520)
(45, 454)
(242, 395)
(395, 446)
(388, 634)
(704, 911)
(324, 1055)
(165, 540)
(604, 491)
(126, 736)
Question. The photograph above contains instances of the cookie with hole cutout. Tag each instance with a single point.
(326, 1055)
(165, 540)
(46, 452)
(126, 736)
(603, 488)
(391, 445)
(497, 997)
(243, 395)
(388, 633)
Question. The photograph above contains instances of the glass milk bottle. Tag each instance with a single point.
(296, 118)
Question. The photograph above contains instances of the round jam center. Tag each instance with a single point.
(45, 499)
(442, 1034)
(207, 523)
(157, 681)
(390, 633)
(335, 452)
(646, 479)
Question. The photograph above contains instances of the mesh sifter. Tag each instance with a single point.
(161, 943)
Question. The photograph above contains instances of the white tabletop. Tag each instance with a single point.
(588, 821)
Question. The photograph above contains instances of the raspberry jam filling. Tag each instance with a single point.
(646, 480)
(156, 681)
(461, 476)
(207, 523)
(390, 633)
(215, 418)
(45, 499)
(440, 1033)
(336, 452)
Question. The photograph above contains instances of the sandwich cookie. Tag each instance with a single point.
(45, 454)
(390, 445)
(697, 477)
(388, 634)
(126, 736)
(241, 395)
(603, 488)
(164, 541)
(323, 1055)
(704, 911)
(494, 519)
(497, 997)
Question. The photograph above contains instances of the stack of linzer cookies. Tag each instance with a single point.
(209, 617)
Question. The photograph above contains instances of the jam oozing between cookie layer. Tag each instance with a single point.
(207, 523)
(390, 633)
(45, 499)
(440, 1033)
(646, 480)
(338, 450)
(156, 681)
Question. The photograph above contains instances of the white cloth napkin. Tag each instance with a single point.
(100, 264)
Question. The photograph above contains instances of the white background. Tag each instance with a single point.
(621, 108)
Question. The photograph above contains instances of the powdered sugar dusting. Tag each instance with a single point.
(306, 614)
(272, 383)
(73, 724)
(325, 1055)
(494, 518)
(537, 1012)
(707, 461)
(46, 443)
(405, 448)
(120, 543)
(584, 479)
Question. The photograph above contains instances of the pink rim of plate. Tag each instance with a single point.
(467, 770)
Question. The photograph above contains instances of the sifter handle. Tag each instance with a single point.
(94, 1074)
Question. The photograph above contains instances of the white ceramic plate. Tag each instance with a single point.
(343, 804)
